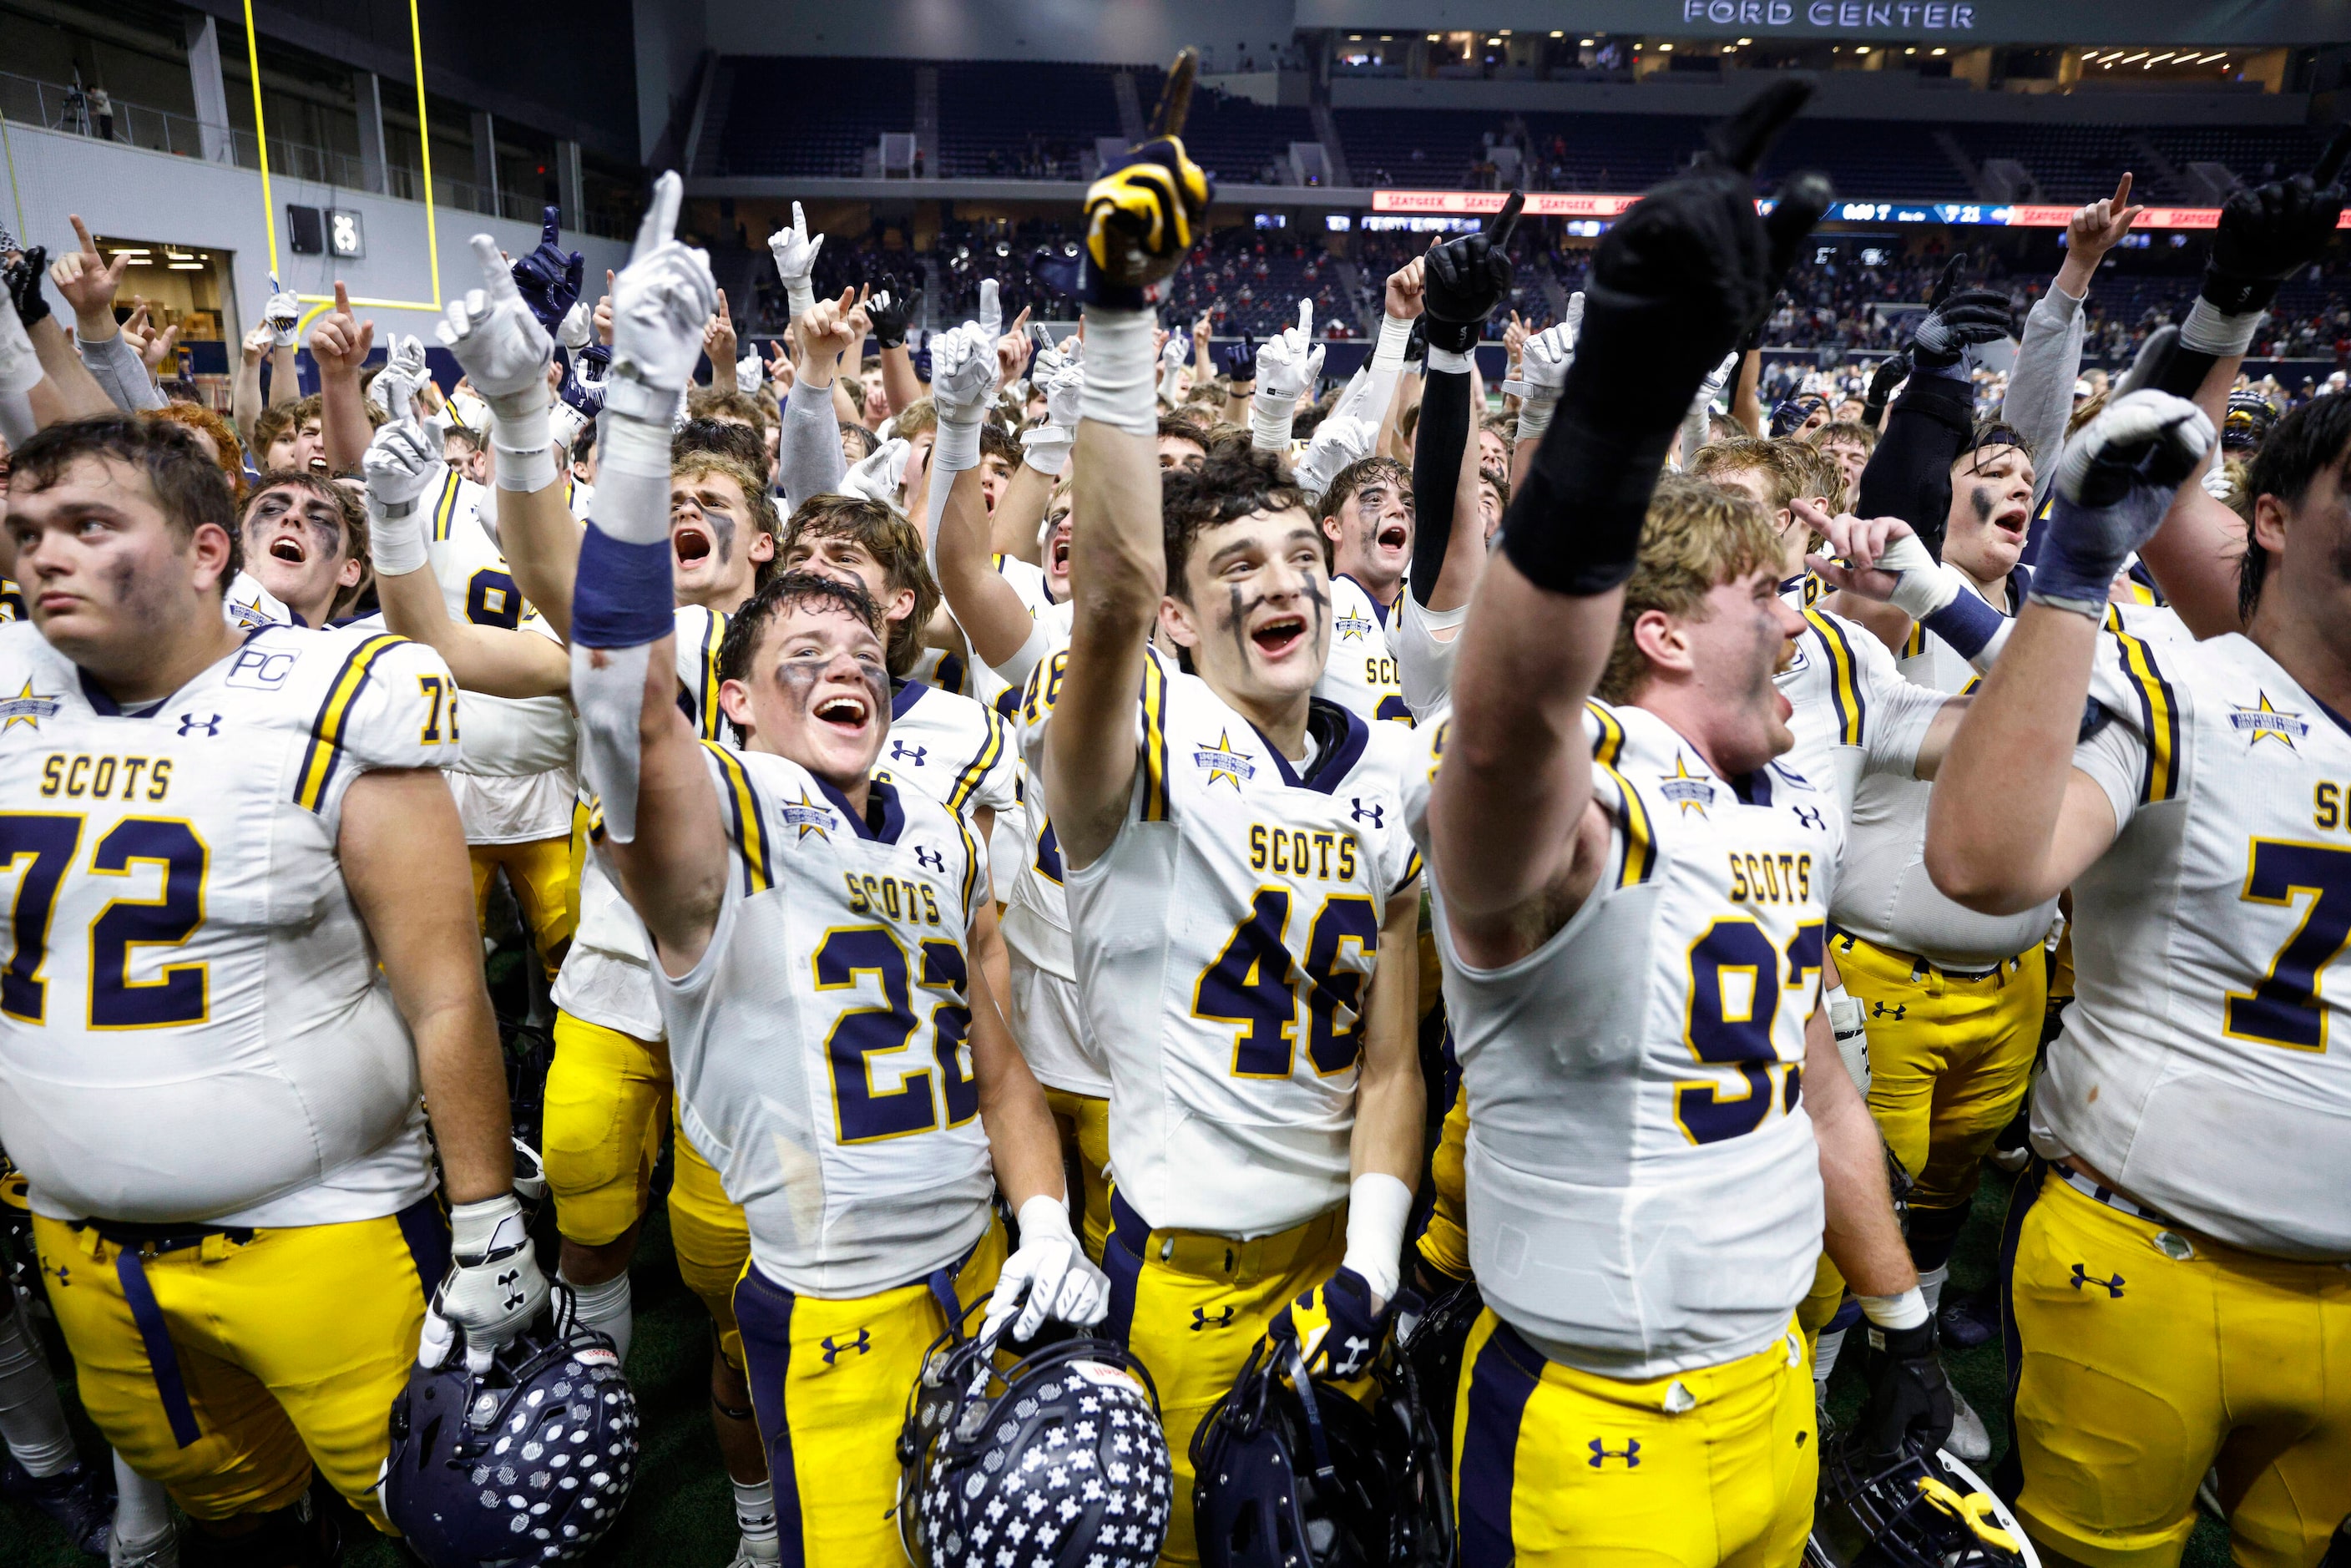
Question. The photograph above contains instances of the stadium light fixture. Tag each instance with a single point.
(1580, 43)
(1744, 42)
(2134, 59)
(1559, 35)
(1861, 49)
(1937, 51)
(1664, 48)
(2160, 59)
(1911, 51)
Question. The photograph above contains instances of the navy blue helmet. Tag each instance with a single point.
(1292, 1471)
(526, 1462)
(1903, 1511)
(1061, 1459)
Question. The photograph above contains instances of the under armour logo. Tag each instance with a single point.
(931, 859)
(2084, 1277)
(902, 752)
(511, 1282)
(1810, 817)
(1880, 1010)
(1630, 1453)
(1201, 1320)
(1372, 813)
(832, 1348)
(210, 724)
(1351, 1364)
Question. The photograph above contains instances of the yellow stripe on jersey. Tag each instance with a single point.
(714, 632)
(1411, 871)
(1611, 744)
(970, 870)
(748, 821)
(1916, 643)
(445, 508)
(1845, 688)
(1640, 843)
(1436, 747)
(2115, 618)
(326, 730)
(967, 782)
(2159, 715)
(1155, 742)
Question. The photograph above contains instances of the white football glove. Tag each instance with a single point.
(1543, 367)
(401, 463)
(1718, 378)
(1047, 447)
(578, 328)
(505, 352)
(281, 310)
(1047, 1277)
(749, 371)
(1286, 364)
(963, 373)
(493, 1288)
(991, 309)
(1172, 361)
(2216, 483)
(1339, 440)
(879, 477)
(20, 365)
(795, 255)
(661, 303)
(395, 386)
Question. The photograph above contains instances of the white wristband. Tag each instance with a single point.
(1046, 449)
(1535, 417)
(632, 445)
(957, 448)
(1122, 371)
(395, 544)
(1906, 1310)
(1270, 418)
(1377, 1208)
(1447, 360)
(524, 468)
(1396, 332)
(2208, 330)
(799, 296)
(1045, 1219)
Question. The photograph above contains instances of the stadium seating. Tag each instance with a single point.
(2072, 163)
(2251, 152)
(1005, 119)
(808, 117)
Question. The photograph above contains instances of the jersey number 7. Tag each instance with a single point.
(2284, 1009)
(177, 996)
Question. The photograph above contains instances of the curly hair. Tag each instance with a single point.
(894, 543)
(225, 447)
(1230, 486)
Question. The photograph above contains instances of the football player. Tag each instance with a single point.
(797, 908)
(1367, 516)
(2179, 1243)
(200, 814)
(1242, 898)
(304, 543)
(1631, 905)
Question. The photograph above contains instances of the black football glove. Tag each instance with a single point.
(22, 276)
(1958, 318)
(1466, 277)
(1892, 371)
(1238, 360)
(2267, 233)
(1908, 1406)
(892, 311)
(548, 277)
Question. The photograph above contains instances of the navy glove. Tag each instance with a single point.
(2268, 232)
(1239, 360)
(583, 379)
(1333, 1325)
(1957, 319)
(22, 276)
(1908, 1406)
(1892, 371)
(1466, 277)
(548, 278)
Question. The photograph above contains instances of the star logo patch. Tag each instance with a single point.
(1683, 790)
(27, 708)
(1223, 762)
(809, 816)
(2263, 722)
(1353, 627)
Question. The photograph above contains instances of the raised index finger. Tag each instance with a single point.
(1499, 226)
(550, 224)
(343, 298)
(661, 218)
(1741, 140)
(1175, 97)
(2122, 192)
(81, 232)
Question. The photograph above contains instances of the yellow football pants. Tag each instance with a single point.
(1949, 1059)
(712, 1238)
(828, 1383)
(2139, 1370)
(226, 1370)
(545, 876)
(1191, 1306)
(1552, 1466)
(1444, 1241)
(1083, 1123)
(602, 1128)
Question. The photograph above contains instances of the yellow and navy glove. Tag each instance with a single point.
(1335, 1326)
(1141, 217)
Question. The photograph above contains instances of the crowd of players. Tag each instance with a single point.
(1228, 976)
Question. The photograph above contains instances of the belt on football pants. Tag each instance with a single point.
(1921, 964)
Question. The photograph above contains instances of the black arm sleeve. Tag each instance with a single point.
(1909, 475)
(1440, 448)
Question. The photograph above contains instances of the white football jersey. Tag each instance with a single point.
(1643, 1186)
(953, 749)
(1037, 903)
(820, 1046)
(1885, 896)
(1424, 642)
(1225, 944)
(517, 782)
(2197, 1069)
(604, 979)
(1854, 714)
(1361, 673)
(193, 1026)
(247, 604)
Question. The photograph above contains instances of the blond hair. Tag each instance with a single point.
(1698, 536)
